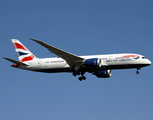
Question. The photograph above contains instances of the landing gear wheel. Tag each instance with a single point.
(80, 78)
(83, 77)
(74, 74)
(137, 70)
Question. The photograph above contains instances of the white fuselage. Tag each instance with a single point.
(98, 65)
(108, 61)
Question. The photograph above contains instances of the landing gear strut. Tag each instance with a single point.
(137, 70)
(78, 73)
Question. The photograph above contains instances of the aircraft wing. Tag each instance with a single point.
(14, 61)
(71, 59)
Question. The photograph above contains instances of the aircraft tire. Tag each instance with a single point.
(83, 77)
(74, 74)
(80, 78)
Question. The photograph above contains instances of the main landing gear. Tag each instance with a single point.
(137, 70)
(82, 77)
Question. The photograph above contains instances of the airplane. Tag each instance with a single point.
(99, 65)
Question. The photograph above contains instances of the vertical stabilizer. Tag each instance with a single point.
(23, 53)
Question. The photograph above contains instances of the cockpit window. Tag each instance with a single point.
(144, 58)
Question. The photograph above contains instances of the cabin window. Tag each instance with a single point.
(56, 61)
(103, 58)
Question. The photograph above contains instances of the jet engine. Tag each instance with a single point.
(92, 63)
(103, 74)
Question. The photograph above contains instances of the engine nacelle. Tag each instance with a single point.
(94, 62)
(103, 74)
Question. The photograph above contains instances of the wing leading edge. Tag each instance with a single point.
(72, 60)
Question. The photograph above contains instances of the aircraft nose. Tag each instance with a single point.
(149, 62)
(146, 62)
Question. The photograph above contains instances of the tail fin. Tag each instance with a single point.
(23, 53)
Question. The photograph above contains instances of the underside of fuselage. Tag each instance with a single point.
(110, 67)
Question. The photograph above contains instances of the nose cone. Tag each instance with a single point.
(145, 62)
(149, 62)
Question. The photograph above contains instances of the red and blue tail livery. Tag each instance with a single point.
(99, 65)
(23, 53)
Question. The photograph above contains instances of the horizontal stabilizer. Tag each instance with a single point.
(14, 61)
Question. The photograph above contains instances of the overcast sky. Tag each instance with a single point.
(81, 27)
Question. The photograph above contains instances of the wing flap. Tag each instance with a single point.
(71, 59)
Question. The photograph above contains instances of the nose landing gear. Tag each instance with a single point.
(137, 70)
